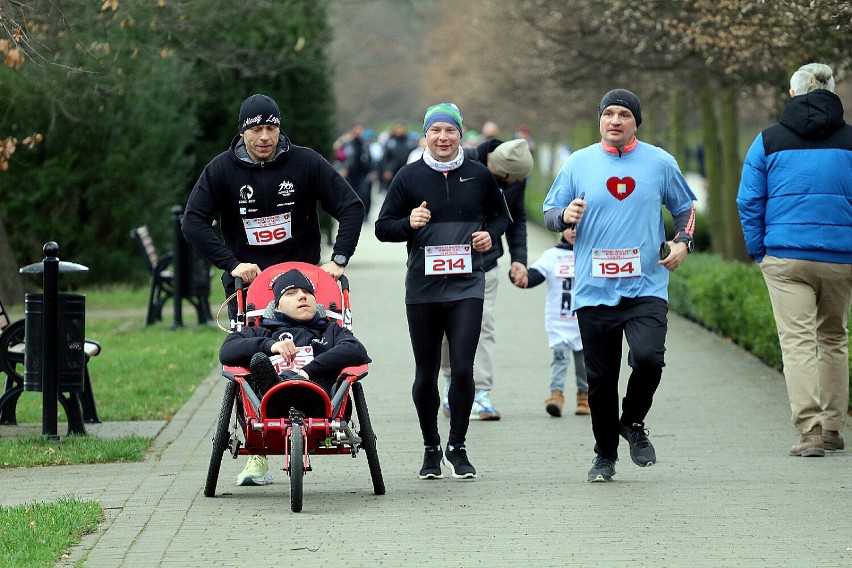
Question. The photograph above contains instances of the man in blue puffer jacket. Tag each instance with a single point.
(795, 205)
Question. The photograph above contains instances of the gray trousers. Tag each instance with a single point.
(483, 363)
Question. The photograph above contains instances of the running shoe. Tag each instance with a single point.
(256, 472)
(431, 463)
(456, 460)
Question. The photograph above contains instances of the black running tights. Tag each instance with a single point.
(461, 321)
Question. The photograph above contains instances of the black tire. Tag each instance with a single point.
(220, 439)
(297, 467)
(368, 438)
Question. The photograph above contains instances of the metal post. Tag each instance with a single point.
(179, 256)
(50, 335)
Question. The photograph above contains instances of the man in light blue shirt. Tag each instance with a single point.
(613, 192)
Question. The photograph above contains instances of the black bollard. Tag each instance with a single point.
(50, 333)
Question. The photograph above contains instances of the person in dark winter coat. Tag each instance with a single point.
(795, 205)
(397, 148)
(316, 349)
(264, 190)
(510, 162)
(358, 167)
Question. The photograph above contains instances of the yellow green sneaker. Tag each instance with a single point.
(256, 472)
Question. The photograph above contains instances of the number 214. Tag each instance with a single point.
(446, 264)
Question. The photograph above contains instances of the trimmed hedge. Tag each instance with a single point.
(730, 298)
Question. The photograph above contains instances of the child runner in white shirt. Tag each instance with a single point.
(556, 267)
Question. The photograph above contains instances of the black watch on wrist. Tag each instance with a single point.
(689, 242)
(340, 259)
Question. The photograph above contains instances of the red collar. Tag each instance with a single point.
(613, 150)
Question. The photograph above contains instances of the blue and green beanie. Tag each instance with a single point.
(442, 112)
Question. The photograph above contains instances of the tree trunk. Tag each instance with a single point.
(712, 166)
(11, 283)
(677, 131)
(731, 169)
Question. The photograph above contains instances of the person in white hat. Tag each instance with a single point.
(510, 162)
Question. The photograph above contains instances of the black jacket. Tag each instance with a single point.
(516, 233)
(396, 151)
(334, 347)
(463, 201)
(292, 183)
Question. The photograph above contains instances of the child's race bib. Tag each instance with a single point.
(565, 267)
(302, 358)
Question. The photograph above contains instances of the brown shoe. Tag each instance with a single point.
(582, 404)
(832, 440)
(810, 444)
(553, 405)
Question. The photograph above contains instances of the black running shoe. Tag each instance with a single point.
(641, 451)
(456, 459)
(603, 469)
(431, 463)
(263, 374)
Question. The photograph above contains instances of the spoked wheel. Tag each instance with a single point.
(220, 438)
(368, 438)
(297, 466)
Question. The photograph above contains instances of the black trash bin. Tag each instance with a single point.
(72, 336)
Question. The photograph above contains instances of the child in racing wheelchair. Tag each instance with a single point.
(318, 349)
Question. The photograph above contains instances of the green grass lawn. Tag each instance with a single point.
(36, 535)
(142, 373)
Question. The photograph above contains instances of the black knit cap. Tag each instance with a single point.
(257, 110)
(291, 279)
(624, 98)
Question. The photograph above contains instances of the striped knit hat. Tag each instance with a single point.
(442, 112)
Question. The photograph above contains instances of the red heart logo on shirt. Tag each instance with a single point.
(620, 188)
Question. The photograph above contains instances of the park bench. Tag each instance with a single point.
(79, 406)
(195, 273)
(162, 276)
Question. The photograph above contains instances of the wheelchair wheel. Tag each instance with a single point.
(368, 438)
(220, 438)
(297, 466)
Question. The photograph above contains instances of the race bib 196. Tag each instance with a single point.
(616, 263)
(270, 230)
(443, 260)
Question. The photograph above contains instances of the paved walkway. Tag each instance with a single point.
(724, 492)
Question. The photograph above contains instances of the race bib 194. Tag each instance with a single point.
(271, 230)
(616, 263)
(443, 260)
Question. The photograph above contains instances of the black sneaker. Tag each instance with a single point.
(603, 469)
(431, 463)
(641, 451)
(263, 374)
(456, 459)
